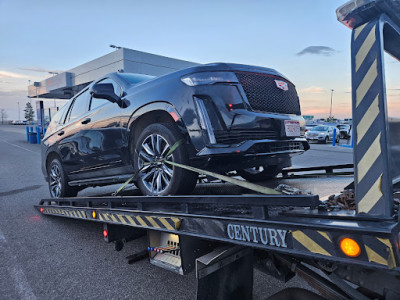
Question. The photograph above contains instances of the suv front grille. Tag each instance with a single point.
(237, 136)
(275, 147)
(265, 96)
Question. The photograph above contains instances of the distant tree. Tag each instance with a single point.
(28, 112)
(3, 115)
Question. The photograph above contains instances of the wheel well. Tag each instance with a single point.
(49, 158)
(157, 116)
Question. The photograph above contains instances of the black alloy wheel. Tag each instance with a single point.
(58, 184)
(155, 176)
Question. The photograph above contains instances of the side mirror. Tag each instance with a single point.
(105, 91)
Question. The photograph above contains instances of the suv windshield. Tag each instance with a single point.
(135, 78)
(319, 128)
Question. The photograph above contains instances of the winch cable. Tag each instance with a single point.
(245, 184)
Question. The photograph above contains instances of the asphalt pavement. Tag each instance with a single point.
(57, 258)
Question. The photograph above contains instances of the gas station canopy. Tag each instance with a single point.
(67, 84)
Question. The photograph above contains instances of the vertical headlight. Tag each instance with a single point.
(204, 119)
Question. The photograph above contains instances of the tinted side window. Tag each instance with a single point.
(80, 106)
(96, 102)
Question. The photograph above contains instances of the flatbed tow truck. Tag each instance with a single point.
(342, 253)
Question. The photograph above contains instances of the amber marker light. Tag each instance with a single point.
(94, 215)
(350, 247)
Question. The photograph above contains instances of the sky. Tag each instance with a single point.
(300, 39)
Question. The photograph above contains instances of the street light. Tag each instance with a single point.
(115, 47)
(330, 112)
(19, 113)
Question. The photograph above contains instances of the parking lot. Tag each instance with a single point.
(52, 258)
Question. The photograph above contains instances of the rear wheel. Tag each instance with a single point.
(160, 178)
(260, 173)
(58, 184)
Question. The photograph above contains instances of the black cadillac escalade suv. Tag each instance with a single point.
(230, 117)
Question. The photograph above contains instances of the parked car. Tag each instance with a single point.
(19, 122)
(344, 131)
(321, 134)
(230, 117)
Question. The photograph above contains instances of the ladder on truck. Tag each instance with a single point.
(344, 254)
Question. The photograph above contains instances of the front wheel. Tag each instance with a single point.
(156, 177)
(58, 184)
(260, 173)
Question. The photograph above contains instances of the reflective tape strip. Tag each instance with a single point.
(152, 222)
(141, 222)
(325, 235)
(371, 197)
(369, 157)
(166, 224)
(375, 257)
(309, 244)
(358, 30)
(121, 218)
(365, 48)
(113, 218)
(391, 260)
(368, 119)
(130, 220)
(366, 83)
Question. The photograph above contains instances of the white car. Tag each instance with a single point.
(322, 134)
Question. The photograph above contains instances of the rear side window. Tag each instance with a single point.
(79, 107)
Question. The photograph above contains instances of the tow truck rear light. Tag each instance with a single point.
(105, 233)
(41, 209)
(350, 247)
(94, 215)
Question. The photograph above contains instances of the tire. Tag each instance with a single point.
(58, 183)
(160, 178)
(259, 173)
(326, 140)
(337, 140)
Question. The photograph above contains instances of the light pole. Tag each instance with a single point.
(19, 113)
(330, 112)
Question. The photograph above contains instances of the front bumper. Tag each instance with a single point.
(258, 148)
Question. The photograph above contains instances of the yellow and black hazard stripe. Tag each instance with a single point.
(169, 223)
(380, 251)
(73, 213)
(318, 242)
(369, 116)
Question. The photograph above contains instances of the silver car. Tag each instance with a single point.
(322, 134)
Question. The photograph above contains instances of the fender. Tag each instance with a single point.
(160, 106)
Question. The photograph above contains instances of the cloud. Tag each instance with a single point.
(312, 90)
(6, 74)
(40, 70)
(318, 50)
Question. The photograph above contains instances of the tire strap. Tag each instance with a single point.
(242, 183)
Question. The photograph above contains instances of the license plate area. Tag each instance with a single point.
(292, 128)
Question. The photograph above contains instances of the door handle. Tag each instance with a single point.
(87, 120)
(61, 132)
